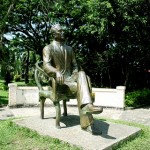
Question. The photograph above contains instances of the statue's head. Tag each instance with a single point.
(57, 32)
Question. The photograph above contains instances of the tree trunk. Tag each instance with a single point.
(27, 68)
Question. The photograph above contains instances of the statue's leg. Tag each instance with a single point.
(42, 101)
(85, 95)
(85, 102)
(86, 121)
(84, 98)
(58, 114)
(65, 107)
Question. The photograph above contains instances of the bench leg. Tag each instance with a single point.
(42, 101)
(58, 114)
(65, 108)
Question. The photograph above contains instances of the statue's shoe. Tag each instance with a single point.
(90, 109)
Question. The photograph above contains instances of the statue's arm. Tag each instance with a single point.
(47, 60)
(74, 67)
(74, 63)
(48, 67)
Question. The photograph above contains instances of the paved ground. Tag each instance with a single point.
(71, 131)
(140, 115)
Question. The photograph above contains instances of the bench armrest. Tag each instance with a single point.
(39, 72)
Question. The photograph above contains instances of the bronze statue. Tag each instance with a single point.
(60, 59)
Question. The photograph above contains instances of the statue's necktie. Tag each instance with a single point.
(63, 50)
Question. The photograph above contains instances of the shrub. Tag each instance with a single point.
(31, 83)
(137, 98)
(17, 77)
(3, 86)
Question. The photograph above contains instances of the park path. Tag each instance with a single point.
(140, 115)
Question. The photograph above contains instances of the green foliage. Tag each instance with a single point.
(105, 34)
(17, 77)
(31, 83)
(3, 86)
(138, 98)
(3, 93)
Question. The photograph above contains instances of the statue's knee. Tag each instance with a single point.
(81, 73)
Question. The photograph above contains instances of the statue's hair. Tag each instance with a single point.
(55, 27)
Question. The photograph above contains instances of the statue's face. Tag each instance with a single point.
(59, 34)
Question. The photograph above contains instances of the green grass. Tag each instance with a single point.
(3, 94)
(3, 97)
(22, 83)
(13, 137)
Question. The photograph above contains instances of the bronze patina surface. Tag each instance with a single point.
(59, 64)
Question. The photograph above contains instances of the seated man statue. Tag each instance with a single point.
(60, 59)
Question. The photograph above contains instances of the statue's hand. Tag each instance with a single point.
(59, 77)
(75, 76)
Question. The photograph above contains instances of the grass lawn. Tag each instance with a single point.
(14, 137)
(3, 97)
(3, 94)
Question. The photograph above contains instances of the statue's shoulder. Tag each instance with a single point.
(48, 47)
(69, 48)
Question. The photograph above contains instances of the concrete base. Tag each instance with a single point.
(112, 134)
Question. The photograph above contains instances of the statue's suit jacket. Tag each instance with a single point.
(60, 57)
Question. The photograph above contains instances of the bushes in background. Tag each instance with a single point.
(137, 98)
(17, 77)
(3, 86)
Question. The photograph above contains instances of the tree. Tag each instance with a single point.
(27, 25)
(127, 37)
(104, 33)
(6, 9)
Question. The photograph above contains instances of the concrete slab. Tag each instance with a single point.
(112, 133)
